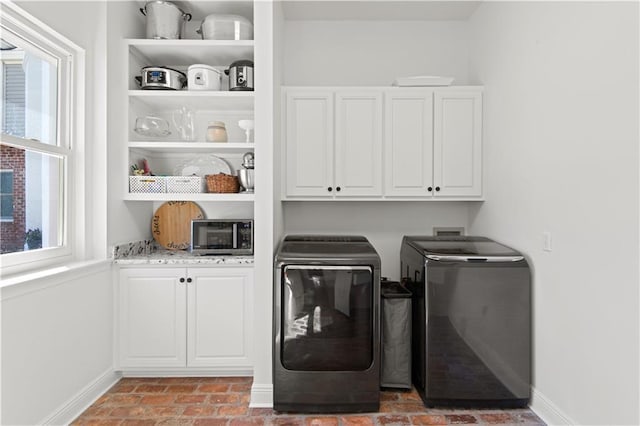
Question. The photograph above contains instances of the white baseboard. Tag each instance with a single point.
(66, 413)
(188, 372)
(261, 396)
(547, 410)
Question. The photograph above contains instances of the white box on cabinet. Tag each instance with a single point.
(184, 184)
(148, 184)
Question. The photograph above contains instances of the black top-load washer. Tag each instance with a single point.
(326, 325)
(471, 321)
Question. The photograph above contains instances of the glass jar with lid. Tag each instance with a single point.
(217, 132)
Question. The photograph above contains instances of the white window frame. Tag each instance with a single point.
(16, 23)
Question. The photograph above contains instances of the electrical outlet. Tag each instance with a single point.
(546, 241)
(447, 231)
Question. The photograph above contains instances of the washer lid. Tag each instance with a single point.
(462, 248)
(327, 248)
(327, 238)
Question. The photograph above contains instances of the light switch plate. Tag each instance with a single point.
(546, 241)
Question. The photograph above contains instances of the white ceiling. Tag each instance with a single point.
(388, 10)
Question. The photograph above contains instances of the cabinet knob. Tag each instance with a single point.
(189, 280)
(429, 189)
(181, 280)
(437, 188)
(338, 188)
(329, 189)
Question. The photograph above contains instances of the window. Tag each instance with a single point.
(41, 111)
(13, 91)
(6, 195)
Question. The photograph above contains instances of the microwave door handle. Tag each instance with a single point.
(235, 235)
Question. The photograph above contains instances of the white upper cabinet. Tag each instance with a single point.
(383, 143)
(433, 143)
(333, 143)
(408, 142)
(457, 143)
(358, 143)
(309, 148)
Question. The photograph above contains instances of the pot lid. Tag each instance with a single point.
(242, 63)
(178, 5)
(204, 66)
(219, 17)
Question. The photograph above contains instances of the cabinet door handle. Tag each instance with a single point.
(437, 188)
(189, 280)
(338, 188)
(429, 189)
(329, 189)
(181, 280)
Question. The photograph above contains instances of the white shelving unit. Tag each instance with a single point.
(192, 51)
(168, 99)
(190, 197)
(164, 154)
(195, 147)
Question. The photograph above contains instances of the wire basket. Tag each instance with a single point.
(222, 183)
(148, 184)
(184, 184)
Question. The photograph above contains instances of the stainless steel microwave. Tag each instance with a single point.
(222, 236)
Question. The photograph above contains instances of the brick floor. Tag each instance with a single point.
(224, 401)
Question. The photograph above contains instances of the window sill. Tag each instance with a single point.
(27, 282)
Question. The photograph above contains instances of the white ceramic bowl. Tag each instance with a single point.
(152, 126)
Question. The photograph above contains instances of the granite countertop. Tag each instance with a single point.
(148, 253)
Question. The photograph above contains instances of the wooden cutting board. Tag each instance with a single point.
(171, 225)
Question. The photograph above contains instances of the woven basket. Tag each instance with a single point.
(222, 183)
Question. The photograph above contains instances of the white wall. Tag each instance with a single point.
(383, 223)
(561, 155)
(278, 146)
(265, 216)
(127, 220)
(56, 345)
(374, 53)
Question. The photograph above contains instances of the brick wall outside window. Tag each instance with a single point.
(12, 233)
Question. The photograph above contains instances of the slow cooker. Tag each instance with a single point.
(162, 78)
(240, 75)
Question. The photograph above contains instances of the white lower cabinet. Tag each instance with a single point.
(181, 318)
